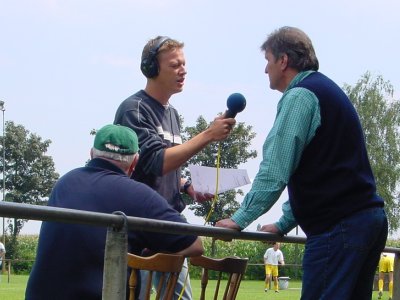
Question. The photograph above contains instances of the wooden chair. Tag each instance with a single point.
(168, 264)
(234, 266)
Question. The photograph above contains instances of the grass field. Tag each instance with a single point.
(14, 289)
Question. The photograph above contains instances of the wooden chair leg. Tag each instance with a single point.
(234, 266)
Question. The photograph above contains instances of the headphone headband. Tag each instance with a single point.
(149, 64)
(154, 50)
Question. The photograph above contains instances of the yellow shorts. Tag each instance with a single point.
(271, 270)
(386, 264)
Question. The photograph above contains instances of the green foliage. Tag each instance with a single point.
(223, 208)
(393, 243)
(293, 254)
(379, 114)
(24, 253)
(29, 173)
(233, 151)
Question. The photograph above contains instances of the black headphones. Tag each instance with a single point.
(149, 64)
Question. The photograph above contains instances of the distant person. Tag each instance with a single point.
(386, 265)
(150, 113)
(272, 258)
(316, 148)
(2, 255)
(70, 257)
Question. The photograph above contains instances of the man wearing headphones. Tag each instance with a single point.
(150, 114)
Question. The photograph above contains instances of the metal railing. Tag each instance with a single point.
(116, 241)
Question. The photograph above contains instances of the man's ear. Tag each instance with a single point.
(133, 164)
(284, 61)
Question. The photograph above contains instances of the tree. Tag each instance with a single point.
(379, 114)
(29, 172)
(233, 151)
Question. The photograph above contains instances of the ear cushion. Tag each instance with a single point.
(149, 65)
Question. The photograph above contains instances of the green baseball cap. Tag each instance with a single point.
(116, 139)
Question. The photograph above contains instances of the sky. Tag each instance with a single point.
(65, 66)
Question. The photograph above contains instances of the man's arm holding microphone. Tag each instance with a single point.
(219, 130)
(176, 156)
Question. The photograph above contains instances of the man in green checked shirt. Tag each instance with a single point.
(316, 149)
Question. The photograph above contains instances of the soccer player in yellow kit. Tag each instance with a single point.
(272, 257)
(386, 266)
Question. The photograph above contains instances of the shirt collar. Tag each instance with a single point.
(104, 164)
(299, 77)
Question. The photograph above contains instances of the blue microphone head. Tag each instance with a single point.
(236, 103)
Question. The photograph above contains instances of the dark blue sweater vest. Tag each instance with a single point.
(334, 178)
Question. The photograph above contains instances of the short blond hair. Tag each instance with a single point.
(169, 44)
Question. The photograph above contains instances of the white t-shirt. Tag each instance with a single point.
(2, 252)
(272, 257)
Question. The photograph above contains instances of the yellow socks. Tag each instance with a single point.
(380, 285)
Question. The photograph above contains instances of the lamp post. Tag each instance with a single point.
(2, 108)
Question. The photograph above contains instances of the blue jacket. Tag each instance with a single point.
(70, 257)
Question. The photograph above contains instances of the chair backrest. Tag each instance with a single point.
(168, 264)
(234, 266)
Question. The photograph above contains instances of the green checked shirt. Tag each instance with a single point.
(298, 117)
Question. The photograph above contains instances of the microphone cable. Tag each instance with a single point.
(242, 104)
(216, 187)
(209, 213)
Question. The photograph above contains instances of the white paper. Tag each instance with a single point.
(204, 179)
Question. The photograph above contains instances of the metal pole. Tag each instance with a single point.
(396, 277)
(115, 262)
(296, 255)
(2, 108)
(4, 173)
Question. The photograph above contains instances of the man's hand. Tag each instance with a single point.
(227, 223)
(198, 196)
(220, 128)
(269, 228)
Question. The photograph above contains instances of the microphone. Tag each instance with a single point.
(236, 103)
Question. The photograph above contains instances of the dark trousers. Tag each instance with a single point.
(341, 263)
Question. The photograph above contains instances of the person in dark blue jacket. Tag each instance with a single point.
(70, 257)
(317, 150)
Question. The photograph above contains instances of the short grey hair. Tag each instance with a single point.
(296, 45)
(114, 156)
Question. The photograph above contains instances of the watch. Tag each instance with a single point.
(187, 184)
